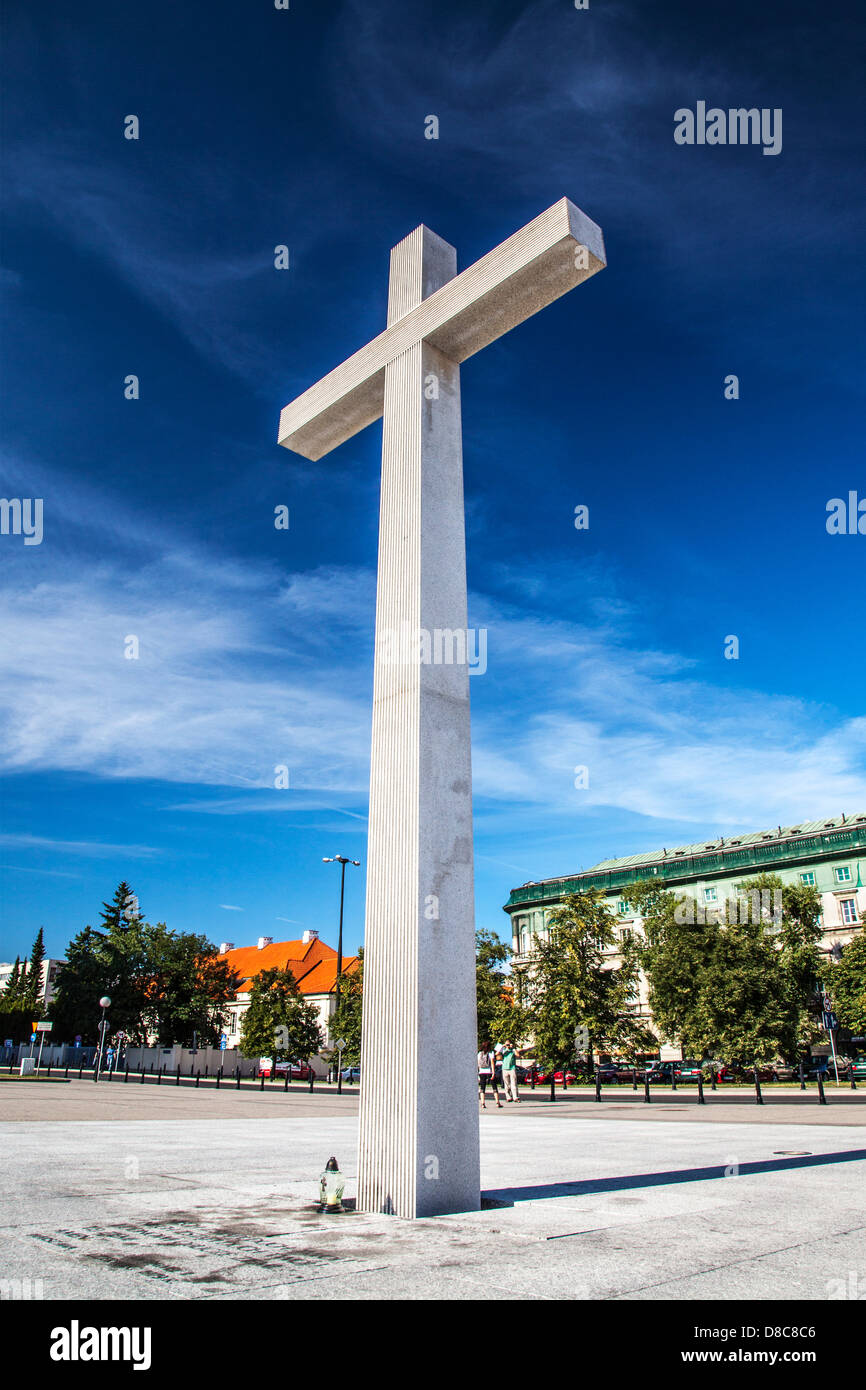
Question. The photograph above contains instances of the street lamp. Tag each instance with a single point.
(104, 1003)
(342, 861)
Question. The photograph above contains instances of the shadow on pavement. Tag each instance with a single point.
(507, 1196)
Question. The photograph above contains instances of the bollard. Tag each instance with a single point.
(159, 1075)
(713, 1079)
(219, 1077)
(311, 1078)
(759, 1099)
(206, 1070)
(564, 1080)
(126, 1075)
(646, 1088)
(532, 1077)
(66, 1073)
(598, 1083)
(80, 1069)
(48, 1072)
(141, 1075)
(851, 1076)
(634, 1077)
(177, 1080)
(701, 1100)
(552, 1086)
(262, 1082)
(286, 1079)
(238, 1077)
(673, 1077)
(822, 1099)
(197, 1079)
(802, 1079)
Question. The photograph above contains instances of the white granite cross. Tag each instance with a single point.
(418, 1145)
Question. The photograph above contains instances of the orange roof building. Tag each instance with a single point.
(313, 964)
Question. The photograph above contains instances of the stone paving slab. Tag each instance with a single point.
(604, 1208)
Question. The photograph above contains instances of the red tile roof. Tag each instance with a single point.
(313, 964)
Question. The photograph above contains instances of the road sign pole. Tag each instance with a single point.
(831, 1031)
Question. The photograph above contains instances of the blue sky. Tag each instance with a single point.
(605, 647)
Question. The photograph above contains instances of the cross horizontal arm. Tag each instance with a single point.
(513, 281)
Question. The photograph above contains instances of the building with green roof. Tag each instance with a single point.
(828, 854)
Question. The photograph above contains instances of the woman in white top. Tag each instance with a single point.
(487, 1075)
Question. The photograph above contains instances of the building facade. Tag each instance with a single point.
(829, 855)
(314, 967)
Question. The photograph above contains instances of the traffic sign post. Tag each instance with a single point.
(41, 1029)
(831, 1023)
(341, 1043)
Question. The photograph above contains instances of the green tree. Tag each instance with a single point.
(500, 1017)
(847, 984)
(346, 1020)
(163, 985)
(122, 911)
(81, 981)
(187, 987)
(279, 1023)
(12, 997)
(674, 954)
(573, 986)
(32, 984)
(737, 983)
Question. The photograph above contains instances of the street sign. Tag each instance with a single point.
(223, 1042)
(43, 1027)
(831, 1022)
(341, 1044)
(32, 1037)
(77, 1039)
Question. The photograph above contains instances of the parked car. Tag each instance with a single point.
(858, 1066)
(543, 1078)
(627, 1071)
(786, 1071)
(608, 1073)
(819, 1066)
(722, 1071)
(298, 1071)
(685, 1070)
(351, 1074)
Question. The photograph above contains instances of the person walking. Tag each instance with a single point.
(509, 1073)
(487, 1076)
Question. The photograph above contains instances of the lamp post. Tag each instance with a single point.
(104, 1003)
(342, 861)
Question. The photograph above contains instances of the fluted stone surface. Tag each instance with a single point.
(418, 1138)
(418, 1144)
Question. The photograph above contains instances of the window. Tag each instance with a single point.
(709, 895)
(843, 875)
(849, 910)
(622, 907)
(808, 879)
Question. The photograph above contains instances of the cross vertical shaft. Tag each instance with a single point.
(418, 1144)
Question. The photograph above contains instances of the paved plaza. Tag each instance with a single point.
(123, 1192)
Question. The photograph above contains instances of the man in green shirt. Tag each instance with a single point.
(509, 1073)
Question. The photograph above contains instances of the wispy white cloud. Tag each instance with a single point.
(241, 670)
(230, 907)
(83, 847)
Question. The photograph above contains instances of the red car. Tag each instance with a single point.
(298, 1071)
(543, 1078)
